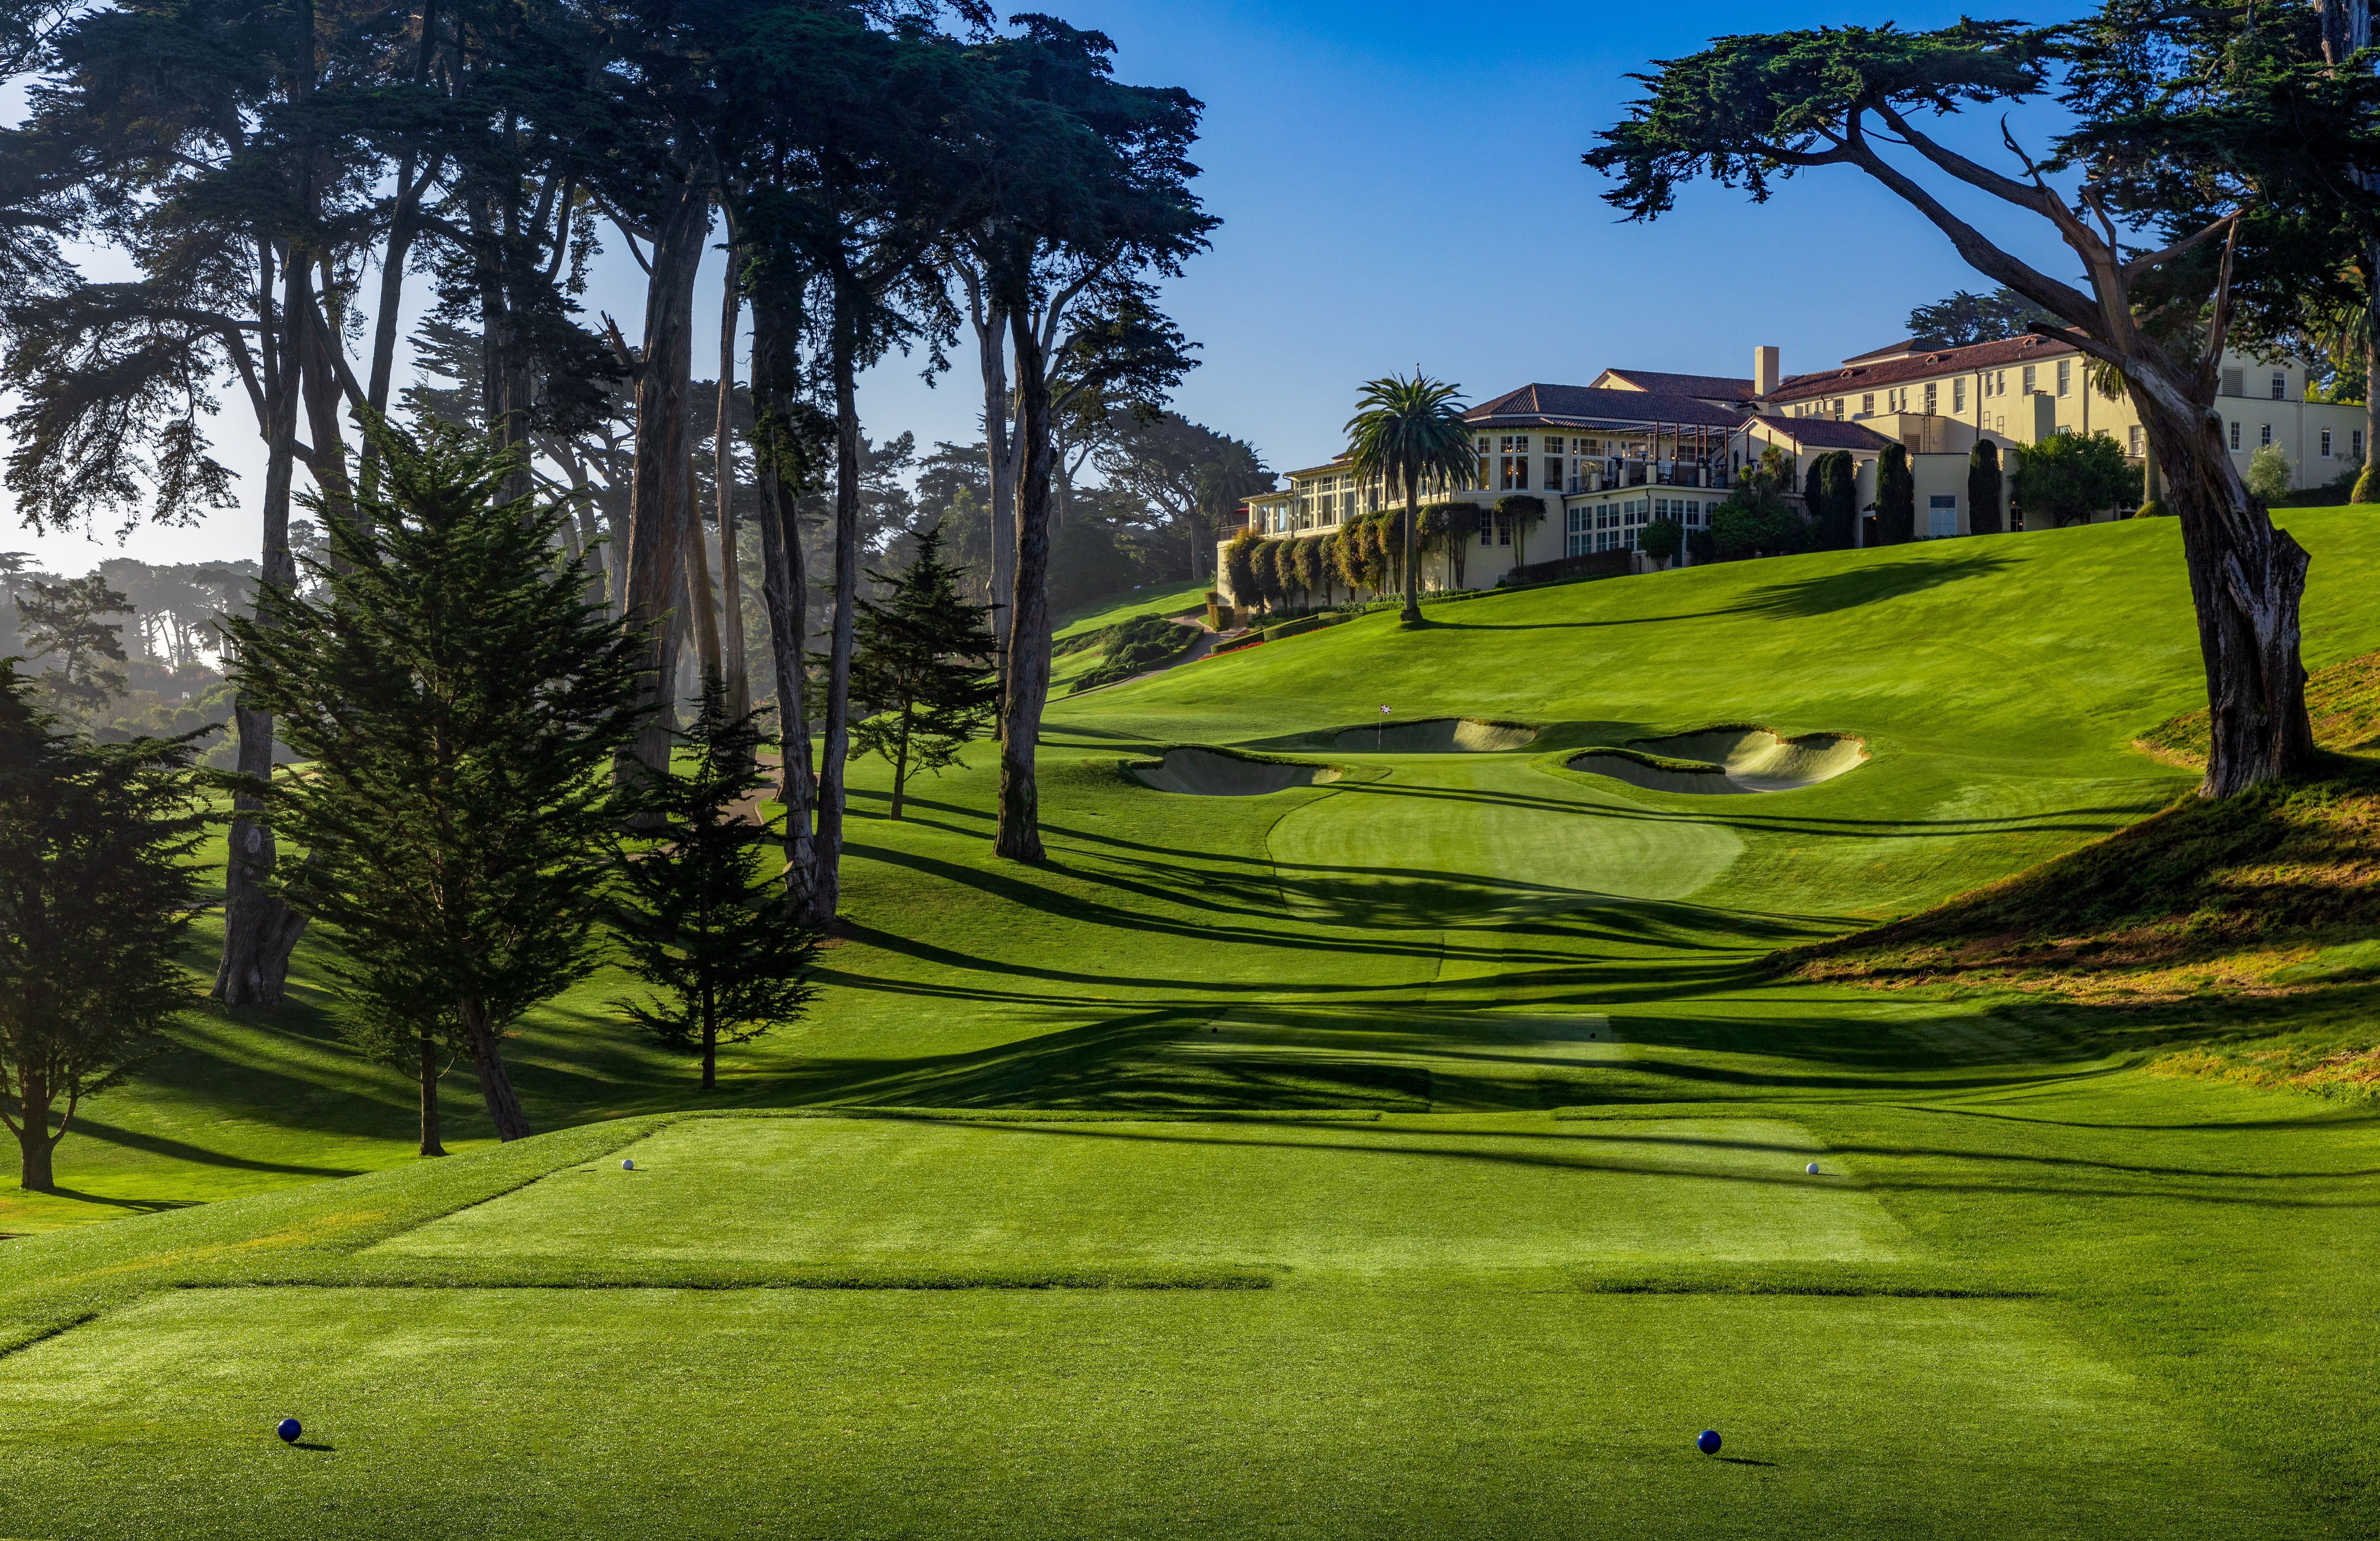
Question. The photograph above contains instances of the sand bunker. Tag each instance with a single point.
(1728, 759)
(1204, 773)
(1437, 735)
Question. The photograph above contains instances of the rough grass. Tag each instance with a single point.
(2238, 894)
(2343, 700)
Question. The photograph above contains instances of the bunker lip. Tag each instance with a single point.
(1720, 761)
(1437, 735)
(1212, 773)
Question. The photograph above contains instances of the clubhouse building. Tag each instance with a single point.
(1607, 458)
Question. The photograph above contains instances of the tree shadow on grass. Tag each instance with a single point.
(1853, 587)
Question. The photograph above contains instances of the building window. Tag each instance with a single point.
(2235, 436)
(1579, 532)
(1929, 398)
(1868, 405)
(2235, 382)
(2264, 436)
(1487, 532)
(2028, 379)
(1959, 394)
(2064, 373)
(1514, 467)
(1554, 471)
(1480, 446)
(2280, 384)
(2134, 447)
(1838, 409)
(2355, 445)
(2325, 443)
(1942, 516)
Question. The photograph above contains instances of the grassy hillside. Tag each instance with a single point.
(1420, 1152)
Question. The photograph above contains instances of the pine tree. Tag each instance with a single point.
(96, 890)
(718, 940)
(62, 621)
(921, 663)
(459, 700)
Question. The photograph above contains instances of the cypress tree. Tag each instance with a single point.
(1896, 498)
(96, 890)
(459, 700)
(923, 661)
(1984, 488)
(717, 938)
(1839, 489)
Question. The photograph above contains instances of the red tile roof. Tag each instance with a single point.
(1824, 434)
(1725, 387)
(1580, 406)
(1923, 366)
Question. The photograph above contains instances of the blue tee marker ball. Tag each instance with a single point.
(1812, 1169)
(1708, 1441)
(288, 1430)
(627, 1163)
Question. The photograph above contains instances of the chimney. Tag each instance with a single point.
(1764, 370)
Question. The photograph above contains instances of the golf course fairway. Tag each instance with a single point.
(1353, 1134)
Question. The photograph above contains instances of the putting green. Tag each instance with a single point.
(1435, 1197)
(895, 1413)
(1436, 735)
(1454, 842)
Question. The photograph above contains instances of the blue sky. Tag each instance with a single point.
(1400, 184)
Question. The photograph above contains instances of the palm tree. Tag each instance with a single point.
(1409, 432)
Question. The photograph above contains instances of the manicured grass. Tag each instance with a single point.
(1415, 1154)
(1089, 1414)
(1436, 1197)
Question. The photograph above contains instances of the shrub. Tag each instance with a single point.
(1239, 568)
(1592, 565)
(1134, 647)
(1662, 539)
(1313, 559)
(2068, 476)
(1523, 513)
(2268, 474)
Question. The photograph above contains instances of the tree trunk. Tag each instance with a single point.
(429, 1076)
(2246, 579)
(658, 511)
(35, 1141)
(1411, 520)
(901, 762)
(2367, 485)
(495, 1085)
(1000, 461)
(723, 473)
(1026, 687)
(260, 931)
(702, 607)
(826, 878)
(709, 1043)
(784, 587)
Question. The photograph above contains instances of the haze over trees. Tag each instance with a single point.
(883, 177)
